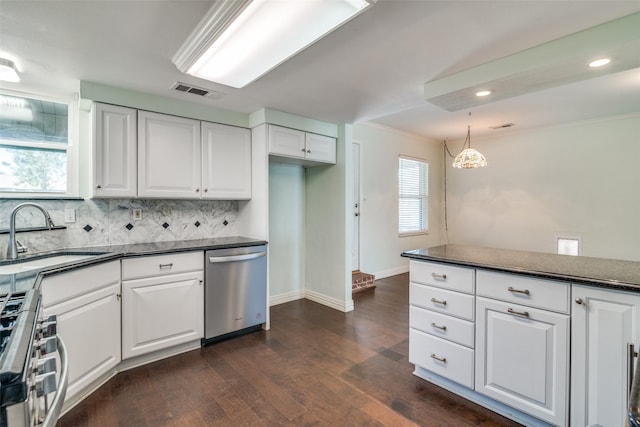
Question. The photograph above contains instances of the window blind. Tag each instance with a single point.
(413, 186)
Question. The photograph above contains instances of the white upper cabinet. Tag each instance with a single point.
(226, 162)
(169, 156)
(298, 147)
(114, 151)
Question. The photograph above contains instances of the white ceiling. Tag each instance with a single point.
(371, 69)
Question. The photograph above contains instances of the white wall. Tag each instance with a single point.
(380, 245)
(578, 179)
(286, 232)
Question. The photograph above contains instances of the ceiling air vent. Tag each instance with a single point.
(182, 87)
(506, 125)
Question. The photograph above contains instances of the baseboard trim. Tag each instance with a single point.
(336, 304)
(391, 272)
(286, 297)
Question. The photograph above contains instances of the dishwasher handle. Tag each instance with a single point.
(233, 258)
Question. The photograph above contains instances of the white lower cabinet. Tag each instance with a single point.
(86, 302)
(522, 357)
(162, 309)
(604, 323)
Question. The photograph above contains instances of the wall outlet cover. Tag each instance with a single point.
(136, 213)
(69, 216)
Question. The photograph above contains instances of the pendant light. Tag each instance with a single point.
(469, 158)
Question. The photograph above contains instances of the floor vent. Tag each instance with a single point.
(199, 91)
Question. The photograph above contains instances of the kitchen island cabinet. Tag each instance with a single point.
(86, 302)
(604, 323)
(552, 333)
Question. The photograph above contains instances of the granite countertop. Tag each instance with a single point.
(610, 273)
(23, 281)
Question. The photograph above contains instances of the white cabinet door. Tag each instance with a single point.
(522, 358)
(88, 322)
(603, 323)
(226, 162)
(286, 142)
(320, 148)
(160, 312)
(114, 151)
(168, 156)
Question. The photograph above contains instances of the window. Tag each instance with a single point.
(413, 186)
(34, 146)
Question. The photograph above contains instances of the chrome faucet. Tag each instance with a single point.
(12, 246)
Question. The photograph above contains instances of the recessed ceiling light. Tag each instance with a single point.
(599, 62)
(484, 93)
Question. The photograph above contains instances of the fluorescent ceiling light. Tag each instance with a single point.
(8, 71)
(239, 41)
(599, 62)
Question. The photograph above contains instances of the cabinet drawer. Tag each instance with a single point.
(443, 276)
(159, 265)
(442, 301)
(532, 292)
(444, 358)
(442, 326)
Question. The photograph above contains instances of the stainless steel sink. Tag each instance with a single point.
(34, 264)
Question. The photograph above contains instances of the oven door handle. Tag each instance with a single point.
(56, 406)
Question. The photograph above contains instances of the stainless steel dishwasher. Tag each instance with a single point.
(235, 292)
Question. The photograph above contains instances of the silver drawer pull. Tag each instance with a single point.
(438, 301)
(166, 265)
(518, 313)
(439, 276)
(438, 358)
(442, 328)
(518, 291)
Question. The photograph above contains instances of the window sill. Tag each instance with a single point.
(414, 233)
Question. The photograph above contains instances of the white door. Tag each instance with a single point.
(355, 240)
(522, 358)
(168, 156)
(603, 323)
(226, 162)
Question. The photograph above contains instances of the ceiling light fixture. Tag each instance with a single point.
(239, 41)
(484, 93)
(8, 71)
(599, 62)
(468, 158)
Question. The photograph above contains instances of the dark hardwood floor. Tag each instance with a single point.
(315, 367)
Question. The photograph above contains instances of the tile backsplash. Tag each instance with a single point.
(101, 222)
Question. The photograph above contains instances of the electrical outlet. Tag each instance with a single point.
(136, 213)
(69, 216)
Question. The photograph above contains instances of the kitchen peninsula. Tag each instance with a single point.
(541, 338)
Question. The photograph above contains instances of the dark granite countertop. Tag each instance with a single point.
(610, 273)
(24, 281)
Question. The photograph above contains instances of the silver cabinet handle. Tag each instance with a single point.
(438, 358)
(442, 328)
(439, 301)
(166, 265)
(206, 190)
(197, 190)
(518, 313)
(631, 354)
(518, 291)
(308, 151)
(579, 301)
(303, 150)
(439, 276)
(98, 186)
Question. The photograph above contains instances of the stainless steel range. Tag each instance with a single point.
(32, 389)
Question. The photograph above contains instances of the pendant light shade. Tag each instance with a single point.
(469, 158)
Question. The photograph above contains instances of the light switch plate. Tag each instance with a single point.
(69, 216)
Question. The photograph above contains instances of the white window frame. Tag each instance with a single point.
(424, 197)
(72, 149)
